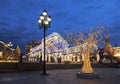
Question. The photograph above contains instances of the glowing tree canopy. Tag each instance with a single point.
(88, 44)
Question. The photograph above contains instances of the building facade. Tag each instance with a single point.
(29, 46)
(6, 52)
(109, 54)
(57, 51)
(116, 53)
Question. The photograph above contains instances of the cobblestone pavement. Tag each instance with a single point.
(67, 76)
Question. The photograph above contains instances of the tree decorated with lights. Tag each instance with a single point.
(88, 44)
(17, 53)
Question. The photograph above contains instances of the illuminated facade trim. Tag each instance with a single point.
(57, 48)
(5, 51)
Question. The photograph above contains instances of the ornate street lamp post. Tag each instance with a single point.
(44, 22)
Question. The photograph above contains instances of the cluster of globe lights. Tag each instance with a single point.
(44, 19)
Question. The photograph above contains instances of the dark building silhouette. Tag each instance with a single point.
(31, 45)
(107, 51)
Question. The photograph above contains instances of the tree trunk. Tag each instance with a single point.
(86, 68)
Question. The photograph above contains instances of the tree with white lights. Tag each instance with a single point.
(88, 44)
(17, 53)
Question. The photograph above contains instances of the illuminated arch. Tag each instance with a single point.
(54, 43)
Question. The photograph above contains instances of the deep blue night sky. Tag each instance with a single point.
(18, 18)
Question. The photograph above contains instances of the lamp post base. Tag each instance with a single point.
(44, 74)
(87, 75)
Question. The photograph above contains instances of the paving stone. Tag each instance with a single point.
(66, 76)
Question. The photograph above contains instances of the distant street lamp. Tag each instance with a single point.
(44, 22)
(10, 44)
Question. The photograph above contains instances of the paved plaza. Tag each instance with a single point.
(67, 76)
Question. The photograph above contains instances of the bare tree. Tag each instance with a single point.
(87, 43)
(81, 39)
